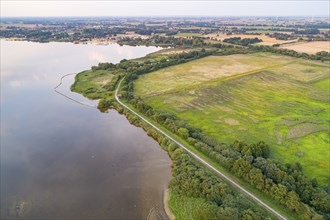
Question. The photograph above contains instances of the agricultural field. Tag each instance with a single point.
(171, 51)
(261, 31)
(309, 47)
(266, 40)
(281, 100)
(324, 30)
(188, 35)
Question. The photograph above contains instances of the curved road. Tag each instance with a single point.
(232, 182)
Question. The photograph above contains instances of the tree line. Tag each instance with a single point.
(169, 41)
(285, 183)
(243, 42)
(192, 180)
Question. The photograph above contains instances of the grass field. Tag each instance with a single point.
(261, 31)
(94, 84)
(281, 100)
(188, 35)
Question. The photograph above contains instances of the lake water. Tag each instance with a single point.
(63, 160)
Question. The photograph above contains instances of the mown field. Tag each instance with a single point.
(266, 40)
(309, 47)
(281, 100)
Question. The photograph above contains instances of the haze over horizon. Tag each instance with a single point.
(13, 8)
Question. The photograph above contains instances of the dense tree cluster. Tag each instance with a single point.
(91, 33)
(191, 180)
(35, 35)
(308, 31)
(243, 42)
(70, 34)
(281, 36)
(157, 40)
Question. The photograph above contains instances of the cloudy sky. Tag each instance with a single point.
(165, 8)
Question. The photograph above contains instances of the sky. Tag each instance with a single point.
(12, 8)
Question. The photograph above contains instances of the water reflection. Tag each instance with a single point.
(63, 160)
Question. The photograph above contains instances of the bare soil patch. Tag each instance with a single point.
(302, 130)
(231, 121)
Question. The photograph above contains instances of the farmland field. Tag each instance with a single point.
(188, 35)
(266, 40)
(309, 47)
(281, 100)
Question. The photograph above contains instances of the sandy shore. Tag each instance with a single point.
(166, 204)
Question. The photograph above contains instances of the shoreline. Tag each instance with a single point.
(93, 42)
(166, 202)
(67, 96)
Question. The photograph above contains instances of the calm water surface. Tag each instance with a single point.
(63, 160)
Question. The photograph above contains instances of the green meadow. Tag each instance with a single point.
(95, 84)
(188, 35)
(281, 100)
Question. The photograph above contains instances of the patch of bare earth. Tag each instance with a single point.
(302, 130)
(231, 121)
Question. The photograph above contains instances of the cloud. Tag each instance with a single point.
(5, 74)
(166, 8)
(15, 83)
(4, 130)
(94, 56)
(125, 51)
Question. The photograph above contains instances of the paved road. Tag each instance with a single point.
(229, 180)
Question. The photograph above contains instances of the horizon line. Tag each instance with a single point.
(170, 16)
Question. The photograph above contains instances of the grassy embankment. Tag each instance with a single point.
(95, 84)
(281, 100)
